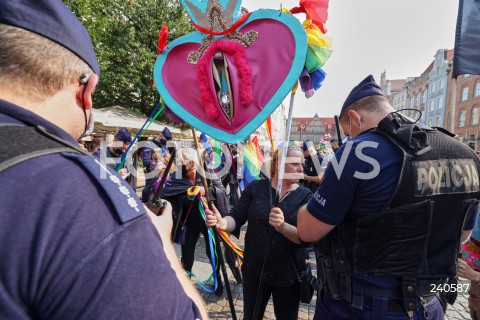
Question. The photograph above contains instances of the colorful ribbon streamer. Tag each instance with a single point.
(153, 115)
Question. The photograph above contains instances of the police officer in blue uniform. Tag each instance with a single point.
(150, 159)
(112, 155)
(122, 140)
(75, 241)
(162, 138)
(395, 202)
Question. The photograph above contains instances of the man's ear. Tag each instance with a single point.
(355, 116)
(85, 91)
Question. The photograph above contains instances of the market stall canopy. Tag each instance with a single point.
(111, 119)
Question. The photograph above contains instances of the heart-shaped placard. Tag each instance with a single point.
(276, 59)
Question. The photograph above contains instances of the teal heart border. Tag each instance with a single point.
(292, 77)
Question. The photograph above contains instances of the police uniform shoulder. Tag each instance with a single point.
(127, 206)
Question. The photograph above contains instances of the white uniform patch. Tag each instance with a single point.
(446, 177)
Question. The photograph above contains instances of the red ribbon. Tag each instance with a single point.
(162, 38)
(224, 32)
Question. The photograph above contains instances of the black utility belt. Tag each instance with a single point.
(393, 305)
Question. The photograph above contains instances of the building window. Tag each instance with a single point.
(437, 121)
(477, 89)
(424, 98)
(474, 117)
(440, 84)
(440, 103)
(464, 93)
(432, 105)
(433, 87)
(429, 122)
(461, 118)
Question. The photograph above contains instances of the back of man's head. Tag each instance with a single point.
(43, 48)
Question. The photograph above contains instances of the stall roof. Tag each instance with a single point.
(113, 118)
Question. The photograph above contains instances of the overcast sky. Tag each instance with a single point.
(371, 36)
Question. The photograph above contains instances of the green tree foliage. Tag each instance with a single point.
(125, 35)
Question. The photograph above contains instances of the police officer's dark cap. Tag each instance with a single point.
(368, 87)
(167, 134)
(124, 136)
(333, 140)
(306, 144)
(51, 19)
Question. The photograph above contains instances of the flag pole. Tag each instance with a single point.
(453, 98)
(337, 128)
(281, 169)
(215, 231)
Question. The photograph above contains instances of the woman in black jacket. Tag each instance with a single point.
(175, 191)
(255, 206)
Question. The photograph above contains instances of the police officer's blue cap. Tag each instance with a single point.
(306, 144)
(51, 19)
(333, 140)
(167, 134)
(124, 136)
(368, 87)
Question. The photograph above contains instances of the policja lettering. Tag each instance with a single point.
(321, 200)
(446, 177)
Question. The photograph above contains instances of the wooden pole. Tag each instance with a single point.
(215, 231)
(453, 98)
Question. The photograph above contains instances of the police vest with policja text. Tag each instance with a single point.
(417, 233)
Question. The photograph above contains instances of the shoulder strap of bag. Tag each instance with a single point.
(25, 142)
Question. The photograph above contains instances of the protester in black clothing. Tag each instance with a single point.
(255, 207)
(175, 191)
(230, 178)
(311, 169)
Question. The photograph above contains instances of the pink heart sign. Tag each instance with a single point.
(231, 90)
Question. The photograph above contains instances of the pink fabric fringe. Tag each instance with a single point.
(245, 74)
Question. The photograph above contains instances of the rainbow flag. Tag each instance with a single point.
(253, 160)
(268, 126)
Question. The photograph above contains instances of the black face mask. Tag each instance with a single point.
(184, 170)
(163, 142)
(118, 151)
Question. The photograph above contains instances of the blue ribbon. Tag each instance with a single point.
(137, 136)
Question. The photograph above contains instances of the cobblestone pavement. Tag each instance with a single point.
(219, 308)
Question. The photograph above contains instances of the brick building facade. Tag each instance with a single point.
(313, 128)
(467, 109)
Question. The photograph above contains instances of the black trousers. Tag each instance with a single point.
(286, 301)
(188, 249)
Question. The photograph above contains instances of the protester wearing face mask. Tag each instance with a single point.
(390, 213)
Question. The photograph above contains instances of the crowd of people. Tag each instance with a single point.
(387, 211)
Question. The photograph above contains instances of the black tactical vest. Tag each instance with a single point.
(417, 233)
